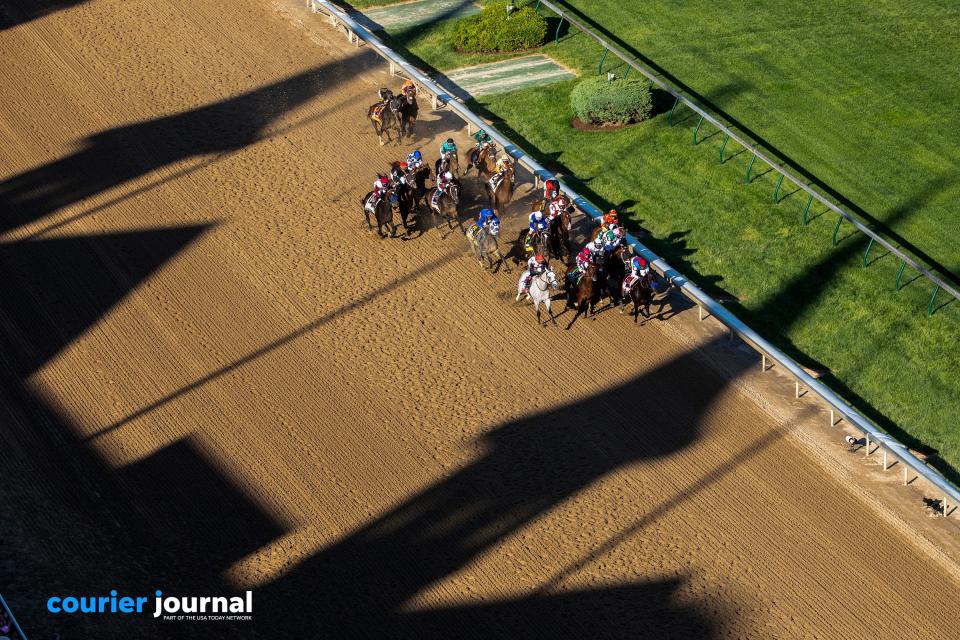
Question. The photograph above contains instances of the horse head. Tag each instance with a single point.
(411, 95)
(395, 103)
(454, 192)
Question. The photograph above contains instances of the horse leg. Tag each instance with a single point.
(366, 214)
(536, 306)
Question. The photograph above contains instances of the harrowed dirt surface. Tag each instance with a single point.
(215, 380)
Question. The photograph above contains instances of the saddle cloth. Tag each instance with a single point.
(435, 199)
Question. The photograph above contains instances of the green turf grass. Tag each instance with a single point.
(842, 105)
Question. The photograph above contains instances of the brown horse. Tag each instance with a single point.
(385, 116)
(640, 292)
(408, 111)
(501, 193)
(445, 204)
(484, 159)
(580, 296)
(560, 227)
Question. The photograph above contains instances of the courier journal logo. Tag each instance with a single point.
(159, 606)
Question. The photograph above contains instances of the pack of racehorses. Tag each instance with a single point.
(408, 195)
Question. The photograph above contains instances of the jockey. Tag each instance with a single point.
(535, 266)
(482, 138)
(557, 206)
(610, 220)
(444, 181)
(448, 147)
(399, 174)
(597, 253)
(609, 239)
(584, 259)
(551, 189)
(380, 187)
(488, 218)
(414, 160)
(639, 267)
(503, 163)
(537, 222)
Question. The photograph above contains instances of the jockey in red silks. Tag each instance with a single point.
(380, 187)
(551, 189)
(557, 206)
(535, 266)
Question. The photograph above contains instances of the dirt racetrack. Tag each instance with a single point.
(214, 380)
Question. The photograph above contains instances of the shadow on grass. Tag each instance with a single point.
(711, 103)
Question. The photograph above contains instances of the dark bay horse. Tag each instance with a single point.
(583, 295)
(408, 111)
(560, 226)
(385, 116)
(383, 212)
(419, 179)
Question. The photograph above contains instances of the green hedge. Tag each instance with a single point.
(597, 101)
(490, 31)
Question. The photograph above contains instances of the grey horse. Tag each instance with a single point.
(541, 290)
(484, 244)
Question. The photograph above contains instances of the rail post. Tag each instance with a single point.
(836, 229)
(806, 210)
(602, 58)
(696, 132)
(866, 253)
(672, 109)
(776, 192)
(746, 177)
(903, 265)
(726, 139)
(556, 36)
(933, 298)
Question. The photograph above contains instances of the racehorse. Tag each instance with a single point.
(612, 274)
(448, 162)
(385, 116)
(641, 293)
(560, 226)
(580, 296)
(484, 244)
(383, 213)
(445, 203)
(408, 111)
(501, 193)
(418, 178)
(484, 159)
(540, 291)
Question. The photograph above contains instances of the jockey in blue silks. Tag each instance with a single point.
(488, 218)
(538, 222)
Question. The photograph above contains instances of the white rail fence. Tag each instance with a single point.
(889, 446)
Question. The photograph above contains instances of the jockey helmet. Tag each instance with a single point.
(403, 165)
(449, 140)
(416, 155)
(384, 182)
(485, 213)
(539, 257)
(448, 175)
